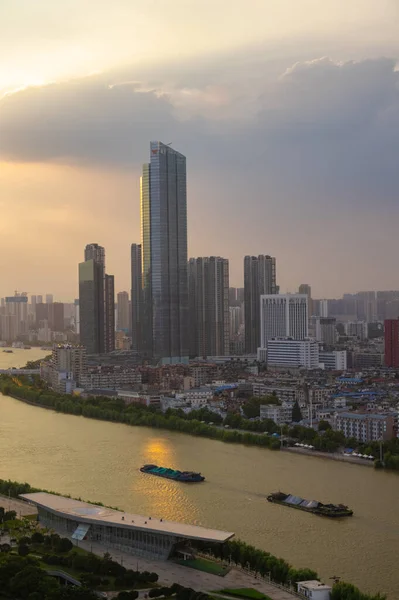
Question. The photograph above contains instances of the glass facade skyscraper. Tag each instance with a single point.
(164, 254)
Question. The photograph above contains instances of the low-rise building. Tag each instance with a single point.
(314, 590)
(365, 427)
(131, 397)
(291, 354)
(197, 397)
(260, 389)
(335, 360)
(281, 414)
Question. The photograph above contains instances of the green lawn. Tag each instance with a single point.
(249, 593)
(208, 566)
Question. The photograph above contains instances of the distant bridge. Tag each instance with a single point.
(19, 371)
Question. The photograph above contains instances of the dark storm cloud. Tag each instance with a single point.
(329, 122)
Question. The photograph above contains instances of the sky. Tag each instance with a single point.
(287, 111)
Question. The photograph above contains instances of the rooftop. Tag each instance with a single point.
(314, 584)
(91, 513)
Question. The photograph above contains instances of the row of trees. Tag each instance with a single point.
(198, 422)
(259, 561)
(177, 591)
(115, 410)
(280, 570)
(347, 591)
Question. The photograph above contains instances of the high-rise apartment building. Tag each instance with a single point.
(72, 359)
(109, 307)
(122, 312)
(17, 306)
(56, 316)
(283, 316)
(305, 288)
(137, 299)
(96, 303)
(41, 312)
(259, 279)
(391, 338)
(49, 298)
(209, 317)
(235, 320)
(325, 329)
(164, 254)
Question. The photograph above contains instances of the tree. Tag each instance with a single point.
(64, 545)
(251, 409)
(324, 425)
(23, 550)
(296, 413)
(37, 538)
(10, 515)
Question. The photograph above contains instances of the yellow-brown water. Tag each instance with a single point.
(100, 461)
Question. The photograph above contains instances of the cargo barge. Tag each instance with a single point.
(174, 475)
(312, 506)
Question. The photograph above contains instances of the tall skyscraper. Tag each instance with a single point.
(56, 316)
(17, 306)
(137, 299)
(209, 317)
(96, 303)
(109, 308)
(164, 254)
(284, 316)
(49, 298)
(391, 337)
(305, 288)
(122, 312)
(259, 279)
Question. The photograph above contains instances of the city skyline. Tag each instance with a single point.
(288, 114)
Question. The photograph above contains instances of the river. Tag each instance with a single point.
(100, 461)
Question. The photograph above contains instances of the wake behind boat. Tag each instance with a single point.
(182, 476)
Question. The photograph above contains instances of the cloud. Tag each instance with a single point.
(323, 122)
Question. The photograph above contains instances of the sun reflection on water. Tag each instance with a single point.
(165, 498)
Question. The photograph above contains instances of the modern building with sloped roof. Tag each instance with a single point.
(144, 536)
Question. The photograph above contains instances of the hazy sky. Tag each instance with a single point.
(287, 111)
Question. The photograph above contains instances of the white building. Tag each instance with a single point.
(290, 353)
(314, 590)
(335, 360)
(197, 397)
(282, 316)
(323, 310)
(281, 414)
(366, 427)
(70, 358)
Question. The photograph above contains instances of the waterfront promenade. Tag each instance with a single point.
(170, 572)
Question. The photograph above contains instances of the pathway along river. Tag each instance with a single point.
(100, 461)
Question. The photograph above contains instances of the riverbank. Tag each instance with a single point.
(96, 459)
(195, 428)
(329, 456)
(250, 566)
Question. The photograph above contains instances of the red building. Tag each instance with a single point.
(391, 337)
